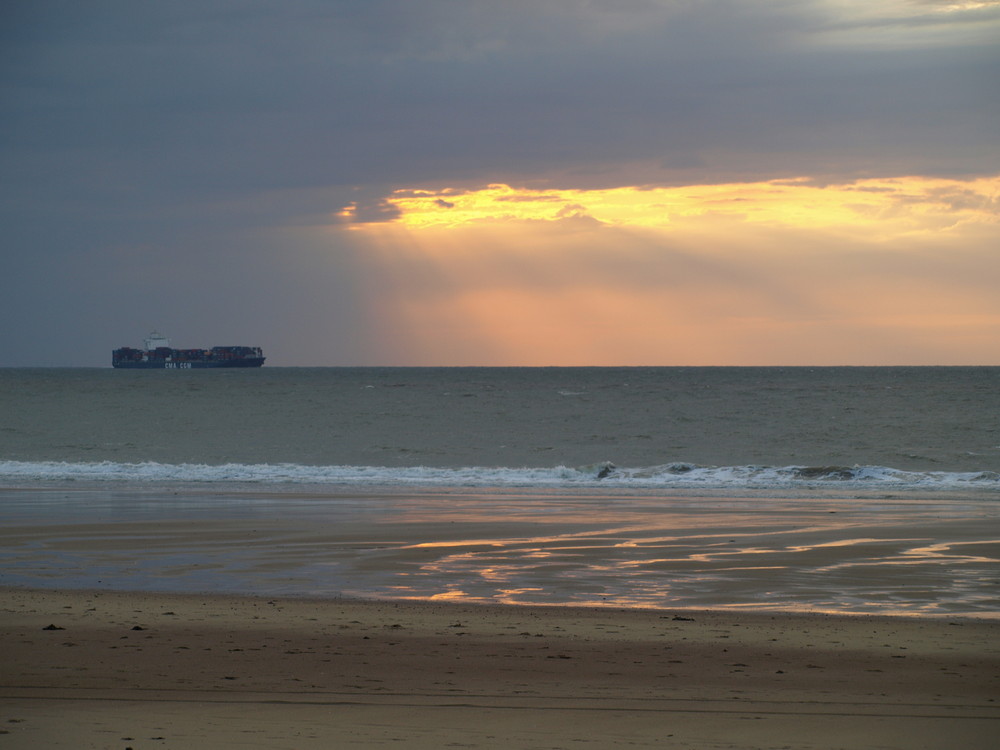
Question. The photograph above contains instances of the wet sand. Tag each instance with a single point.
(99, 669)
(890, 556)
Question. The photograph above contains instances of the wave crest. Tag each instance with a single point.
(602, 474)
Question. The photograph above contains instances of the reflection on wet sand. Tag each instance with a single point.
(887, 556)
(778, 557)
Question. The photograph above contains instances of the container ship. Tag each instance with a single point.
(158, 355)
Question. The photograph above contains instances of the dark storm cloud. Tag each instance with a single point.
(170, 132)
(224, 95)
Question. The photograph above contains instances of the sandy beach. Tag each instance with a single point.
(101, 651)
(86, 669)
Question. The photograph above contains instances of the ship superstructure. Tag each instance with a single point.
(159, 355)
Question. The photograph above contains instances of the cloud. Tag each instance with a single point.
(364, 212)
(244, 96)
(183, 141)
(946, 17)
(886, 207)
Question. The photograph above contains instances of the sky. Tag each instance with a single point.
(502, 182)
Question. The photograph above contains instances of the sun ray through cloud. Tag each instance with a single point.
(790, 270)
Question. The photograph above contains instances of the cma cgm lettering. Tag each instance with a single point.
(159, 355)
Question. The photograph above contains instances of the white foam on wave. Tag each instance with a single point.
(604, 474)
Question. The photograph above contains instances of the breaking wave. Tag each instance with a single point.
(605, 474)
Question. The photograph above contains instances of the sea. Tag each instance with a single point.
(860, 490)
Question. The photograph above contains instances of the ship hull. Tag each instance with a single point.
(193, 365)
(159, 355)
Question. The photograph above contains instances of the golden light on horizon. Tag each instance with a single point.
(897, 270)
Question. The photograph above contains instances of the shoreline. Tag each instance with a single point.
(134, 669)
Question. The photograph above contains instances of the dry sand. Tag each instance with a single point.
(123, 670)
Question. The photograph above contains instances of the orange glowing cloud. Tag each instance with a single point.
(885, 271)
(891, 205)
